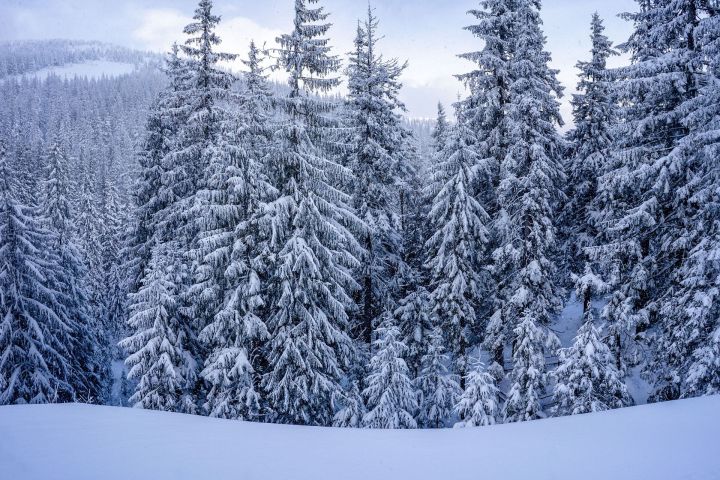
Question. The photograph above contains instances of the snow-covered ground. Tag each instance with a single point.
(674, 440)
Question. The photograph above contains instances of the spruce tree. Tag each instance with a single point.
(390, 395)
(590, 149)
(438, 389)
(586, 378)
(237, 331)
(441, 129)
(479, 404)
(159, 357)
(530, 189)
(377, 152)
(458, 243)
(35, 333)
(687, 350)
(89, 353)
(414, 319)
(310, 283)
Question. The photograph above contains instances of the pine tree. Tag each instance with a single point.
(413, 317)
(150, 194)
(236, 332)
(441, 129)
(587, 380)
(35, 341)
(159, 357)
(391, 396)
(210, 151)
(376, 156)
(438, 389)
(90, 347)
(310, 285)
(590, 148)
(479, 403)
(458, 243)
(529, 192)
(687, 349)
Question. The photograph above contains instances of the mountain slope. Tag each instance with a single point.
(661, 441)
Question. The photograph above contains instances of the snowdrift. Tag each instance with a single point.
(662, 441)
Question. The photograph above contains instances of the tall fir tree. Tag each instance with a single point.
(438, 390)
(485, 112)
(35, 332)
(687, 346)
(376, 156)
(237, 332)
(590, 148)
(479, 404)
(390, 393)
(651, 179)
(311, 283)
(531, 183)
(458, 244)
(90, 352)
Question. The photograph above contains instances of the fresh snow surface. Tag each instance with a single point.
(674, 440)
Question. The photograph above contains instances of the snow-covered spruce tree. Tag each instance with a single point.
(586, 377)
(688, 349)
(89, 353)
(159, 357)
(479, 403)
(590, 148)
(391, 397)
(485, 112)
(149, 193)
(210, 151)
(458, 243)
(440, 131)
(310, 284)
(531, 182)
(651, 213)
(438, 390)
(376, 155)
(413, 317)
(587, 380)
(235, 334)
(351, 409)
(112, 282)
(193, 190)
(35, 341)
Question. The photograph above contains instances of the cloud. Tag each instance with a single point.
(159, 28)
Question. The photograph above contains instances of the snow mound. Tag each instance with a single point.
(661, 441)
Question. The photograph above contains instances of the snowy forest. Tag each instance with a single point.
(195, 239)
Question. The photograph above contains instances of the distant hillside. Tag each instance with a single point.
(27, 57)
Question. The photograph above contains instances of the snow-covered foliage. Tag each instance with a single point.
(437, 388)
(390, 395)
(313, 250)
(458, 242)
(479, 404)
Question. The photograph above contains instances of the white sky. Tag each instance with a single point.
(427, 33)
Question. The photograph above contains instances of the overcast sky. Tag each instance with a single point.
(427, 33)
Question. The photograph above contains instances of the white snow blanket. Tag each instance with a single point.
(674, 440)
